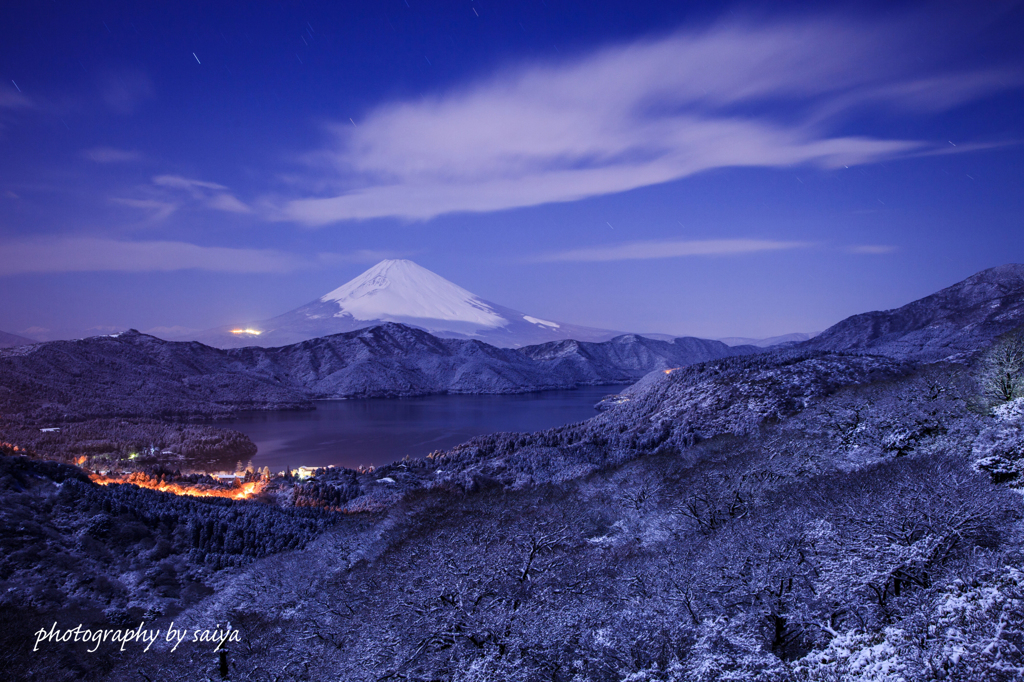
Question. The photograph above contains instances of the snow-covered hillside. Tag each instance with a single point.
(951, 323)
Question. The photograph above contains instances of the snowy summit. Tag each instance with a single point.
(402, 291)
(399, 290)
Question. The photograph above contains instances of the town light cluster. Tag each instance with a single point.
(240, 491)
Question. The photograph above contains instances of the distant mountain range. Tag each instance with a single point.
(401, 291)
(765, 343)
(133, 374)
(11, 340)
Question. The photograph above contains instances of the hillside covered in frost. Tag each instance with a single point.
(794, 515)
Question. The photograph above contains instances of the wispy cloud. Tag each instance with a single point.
(175, 191)
(628, 116)
(872, 249)
(670, 248)
(108, 255)
(178, 182)
(111, 155)
(227, 202)
(358, 256)
(9, 99)
(209, 194)
(172, 332)
(158, 210)
(933, 93)
(100, 254)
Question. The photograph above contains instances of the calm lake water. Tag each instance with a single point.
(378, 431)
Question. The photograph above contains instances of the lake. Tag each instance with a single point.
(378, 431)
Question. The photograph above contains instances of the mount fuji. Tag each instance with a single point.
(402, 291)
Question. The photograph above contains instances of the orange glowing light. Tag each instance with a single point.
(253, 332)
(81, 460)
(240, 491)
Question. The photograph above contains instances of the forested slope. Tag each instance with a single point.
(795, 515)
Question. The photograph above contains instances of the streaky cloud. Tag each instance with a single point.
(872, 249)
(96, 254)
(669, 248)
(14, 100)
(210, 194)
(111, 155)
(737, 94)
(179, 182)
(227, 202)
(158, 210)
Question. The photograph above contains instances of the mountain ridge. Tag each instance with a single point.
(137, 374)
(959, 319)
(134, 374)
(793, 337)
(8, 340)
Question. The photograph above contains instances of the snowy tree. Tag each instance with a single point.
(999, 450)
(1002, 369)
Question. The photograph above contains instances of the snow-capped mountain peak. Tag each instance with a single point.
(403, 292)
(400, 289)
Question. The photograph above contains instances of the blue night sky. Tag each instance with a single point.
(691, 168)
